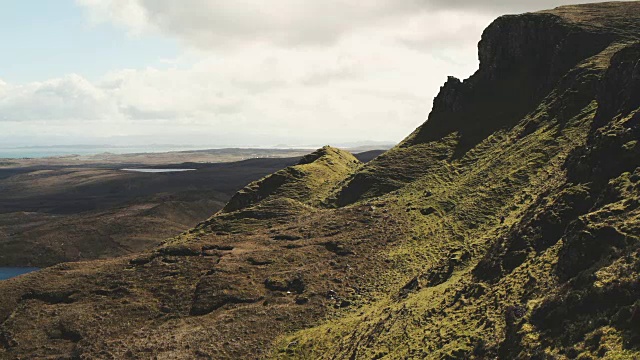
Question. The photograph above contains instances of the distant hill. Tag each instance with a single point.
(507, 226)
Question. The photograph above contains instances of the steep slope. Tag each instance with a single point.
(507, 226)
(538, 222)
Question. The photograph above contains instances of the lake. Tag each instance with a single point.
(157, 170)
(9, 272)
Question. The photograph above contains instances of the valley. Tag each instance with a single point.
(54, 210)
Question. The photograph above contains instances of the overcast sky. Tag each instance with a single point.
(223, 73)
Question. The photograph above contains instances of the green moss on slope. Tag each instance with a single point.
(525, 245)
(310, 181)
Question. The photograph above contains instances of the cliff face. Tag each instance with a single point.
(507, 226)
(522, 59)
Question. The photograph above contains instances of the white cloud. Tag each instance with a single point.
(212, 23)
(368, 85)
(207, 23)
(3, 87)
(67, 98)
(264, 72)
(125, 13)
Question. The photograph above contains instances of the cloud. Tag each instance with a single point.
(502, 6)
(208, 24)
(266, 72)
(361, 88)
(3, 87)
(70, 97)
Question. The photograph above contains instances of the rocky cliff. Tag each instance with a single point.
(507, 226)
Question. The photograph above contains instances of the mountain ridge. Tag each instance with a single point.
(309, 181)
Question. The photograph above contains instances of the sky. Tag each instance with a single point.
(214, 73)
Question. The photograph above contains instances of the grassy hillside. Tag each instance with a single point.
(309, 181)
(507, 226)
(526, 244)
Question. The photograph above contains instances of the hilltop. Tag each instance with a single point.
(309, 181)
(506, 226)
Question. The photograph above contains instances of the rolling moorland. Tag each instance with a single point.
(506, 226)
(72, 208)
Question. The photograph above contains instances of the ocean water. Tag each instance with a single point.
(9, 272)
(43, 151)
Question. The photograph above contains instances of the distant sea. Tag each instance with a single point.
(44, 151)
